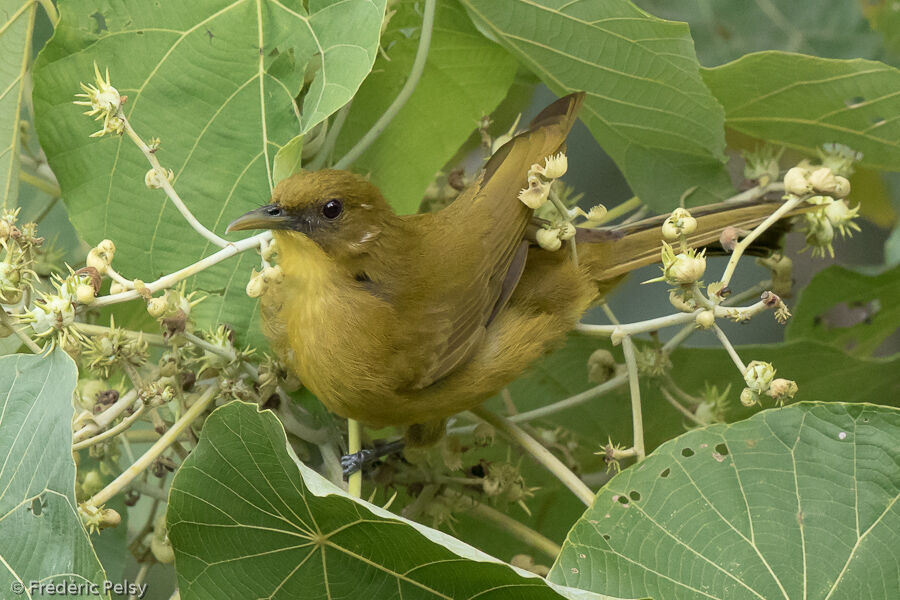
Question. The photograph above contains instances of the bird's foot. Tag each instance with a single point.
(351, 463)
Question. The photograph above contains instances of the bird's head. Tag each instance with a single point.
(337, 210)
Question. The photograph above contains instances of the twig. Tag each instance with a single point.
(112, 431)
(150, 338)
(516, 529)
(52, 189)
(680, 407)
(51, 11)
(8, 323)
(541, 454)
(171, 279)
(731, 351)
(635, 387)
(757, 192)
(109, 415)
(122, 481)
(745, 243)
(412, 81)
(167, 186)
(141, 576)
(331, 139)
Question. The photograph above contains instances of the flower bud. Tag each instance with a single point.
(84, 293)
(156, 178)
(706, 319)
(749, 397)
(822, 179)
(256, 287)
(97, 260)
(601, 366)
(567, 232)
(108, 247)
(686, 268)
(796, 181)
(160, 545)
(157, 306)
(548, 239)
(758, 376)
(535, 195)
(117, 288)
(597, 213)
(555, 166)
(669, 231)
(782, 389)
(273, 274)
(841, 187)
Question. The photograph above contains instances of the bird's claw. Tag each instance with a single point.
(351, 463)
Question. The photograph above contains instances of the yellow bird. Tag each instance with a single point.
(408, 319)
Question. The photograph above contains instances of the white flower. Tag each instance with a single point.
(758, 376)
(548, 239)
(796, 181)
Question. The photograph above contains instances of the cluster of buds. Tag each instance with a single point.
(101, 256)
(540, 179)
(804, 179)
(679, 225)
(820, 225)
(173, 309)
(504, 482)
(156, 394)
(652, 361)
(839, 158)
(105, 103)
(261, 280)
(551, 238)
(101, 353)
(54, 313)
(219, 353)
(760, 379)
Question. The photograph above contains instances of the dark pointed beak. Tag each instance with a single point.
(270, 216)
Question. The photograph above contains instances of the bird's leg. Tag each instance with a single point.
(351, 463)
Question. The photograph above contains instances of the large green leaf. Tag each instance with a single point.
(216, 81)
(15, 46)
(646, 102)
(849, 310)
(465, 78)
(245, 517)
(725, 31)
(804, 102)
(43, 538)
(799, 502)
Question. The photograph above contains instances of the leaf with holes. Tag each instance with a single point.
(646, 102)
(246, 517)
(804, 102)
(798, 502)
(215, 80)
(43, 538)
(465, 78)
(850, 310)
(15, 41)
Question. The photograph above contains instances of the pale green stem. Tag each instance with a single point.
(112, 431)
(23, 337)
(109, 415)
(635, 388)
(141, 576)
(757, 192)
(171, 279)
(541, 454)
(731, 351)
(354, 445)
(51, 11)
(331, 139)
(745, 243)
(49, 188)
(114, 275)
(609, 313)
(516, 529)
(693, 418)
(412, 81)
(150, 338)
(161, 445)
(167, 186)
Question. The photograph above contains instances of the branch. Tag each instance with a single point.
(412, 81)
(635, 388)
(123, 480)
(540, 454)
(516, 529)
(8, 323)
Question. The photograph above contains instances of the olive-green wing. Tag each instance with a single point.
(474, 252)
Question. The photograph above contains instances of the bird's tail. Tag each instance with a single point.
(613, 252)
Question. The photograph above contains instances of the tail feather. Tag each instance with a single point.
(613, 252)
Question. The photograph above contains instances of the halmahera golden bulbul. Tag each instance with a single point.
(408, 319)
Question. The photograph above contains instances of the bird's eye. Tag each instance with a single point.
(273, 211)
(332, 209)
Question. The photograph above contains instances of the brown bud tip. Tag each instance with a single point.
(769, 299)
(729, 238)
(93, 275)
(456, 179)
